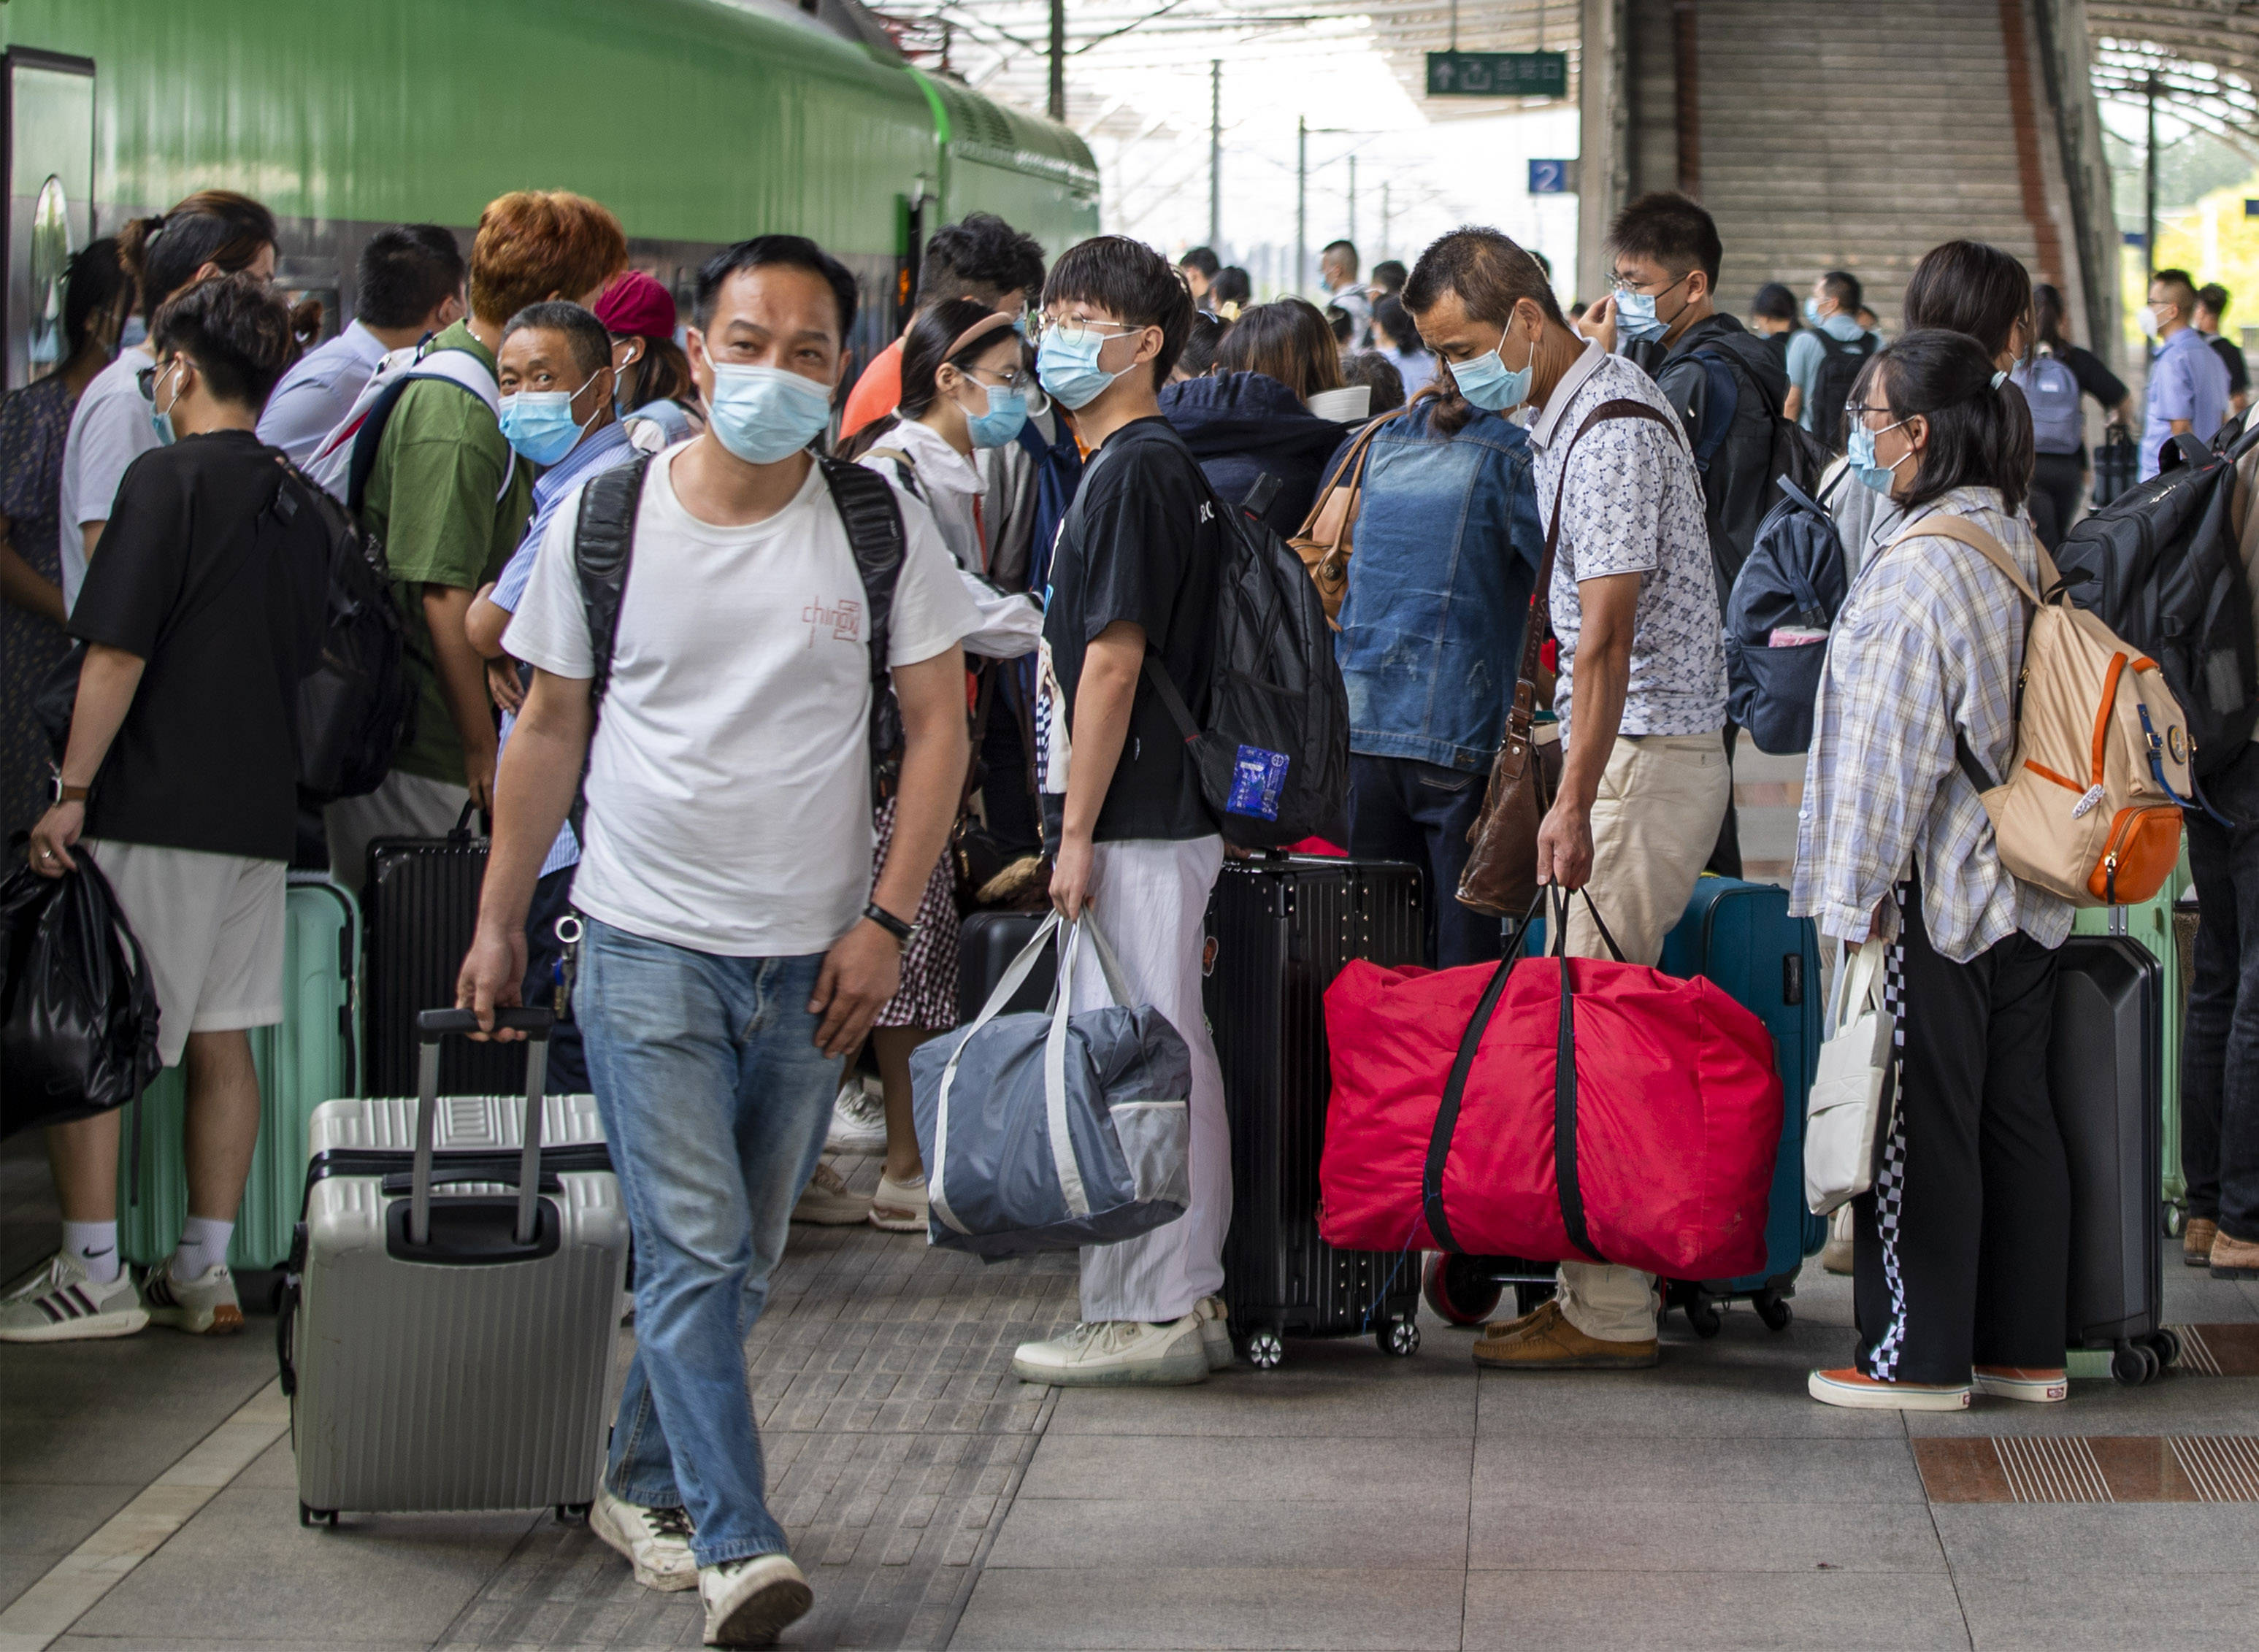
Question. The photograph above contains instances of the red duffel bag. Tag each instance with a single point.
(1462, 1121)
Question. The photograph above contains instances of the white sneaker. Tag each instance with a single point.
(898, 1207)
(61, 1303)
(748, 1601)
(827, 1203)
(1117, 1352)
(859, 1118)
(202, 1306)
(656, 1540)
(1215, 1332)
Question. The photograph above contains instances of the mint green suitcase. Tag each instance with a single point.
(312, 1056)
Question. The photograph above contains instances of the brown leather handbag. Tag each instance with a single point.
(1500, 877)
(1325, 541)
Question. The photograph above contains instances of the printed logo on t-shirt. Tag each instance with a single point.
(1207, 511)
(841, 621)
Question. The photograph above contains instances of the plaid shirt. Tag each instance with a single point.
(1930, 638)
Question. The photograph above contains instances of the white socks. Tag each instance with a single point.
(203, 1247)
(94, 1243)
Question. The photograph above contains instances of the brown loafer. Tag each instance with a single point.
(2233, 1258)
(2197, 1241)
(1546, 1340)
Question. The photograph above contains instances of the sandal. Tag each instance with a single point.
(898, 1207)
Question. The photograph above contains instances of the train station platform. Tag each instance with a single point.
(1343, 1501)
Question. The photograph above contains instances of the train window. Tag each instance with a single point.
(50, 200)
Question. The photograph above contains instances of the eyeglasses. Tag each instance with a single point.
(1860, 409)
(1072, 330)
(1014, 378)
(146, 378)
(1622, 284)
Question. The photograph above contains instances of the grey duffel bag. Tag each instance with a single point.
(1052, 1131)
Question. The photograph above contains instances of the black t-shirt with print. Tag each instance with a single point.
(198, 577)
(1142, 542)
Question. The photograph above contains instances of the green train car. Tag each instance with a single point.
(699, 122)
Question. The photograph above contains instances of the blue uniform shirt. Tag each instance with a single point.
(2186, 381)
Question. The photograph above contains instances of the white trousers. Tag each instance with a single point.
(1150, 898)
(1654, 822)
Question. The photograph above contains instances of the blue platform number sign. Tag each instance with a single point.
(1258, 777)
(1497, 73)
(1549, 177)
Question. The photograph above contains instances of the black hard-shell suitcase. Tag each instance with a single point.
(986, 944)
(1279, 932)
(2104, 1072)
(419, 910)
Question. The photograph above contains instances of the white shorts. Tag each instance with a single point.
(210, 927)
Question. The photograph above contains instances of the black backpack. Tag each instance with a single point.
(357, 707)
(603, 546)
(1795, 575)
(2160, 564)
(1841, 363)
(1274, 761)
(1791, 454)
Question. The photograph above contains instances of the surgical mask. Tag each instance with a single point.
(160, 420)
(540, 425)
(1000, 425)
(765, 414)
(1490, 384)
(1636, 322)
(1811, 310)
(1860, 452)
(1068, 369)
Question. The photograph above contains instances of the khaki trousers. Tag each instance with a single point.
(1654, 822)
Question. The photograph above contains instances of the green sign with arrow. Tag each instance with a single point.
(1497, 73)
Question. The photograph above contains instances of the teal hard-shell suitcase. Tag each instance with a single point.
(1740, 935)
(310, 1058)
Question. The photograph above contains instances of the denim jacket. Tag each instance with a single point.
(1447, 547)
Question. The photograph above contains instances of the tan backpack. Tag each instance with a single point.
(2091, 808)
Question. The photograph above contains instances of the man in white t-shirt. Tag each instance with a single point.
(735, 948)
(1642, 695)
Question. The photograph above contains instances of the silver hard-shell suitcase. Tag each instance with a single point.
(454, 1295)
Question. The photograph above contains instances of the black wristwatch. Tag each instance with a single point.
(904, 932)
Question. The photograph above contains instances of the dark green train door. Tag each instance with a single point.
(49, 162)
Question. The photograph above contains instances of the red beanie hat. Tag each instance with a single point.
(635, 303)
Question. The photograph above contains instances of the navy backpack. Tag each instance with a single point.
(1795, 576)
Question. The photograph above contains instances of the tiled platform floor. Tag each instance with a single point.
(1344, 1500)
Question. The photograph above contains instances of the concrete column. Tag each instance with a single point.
(1603, 170)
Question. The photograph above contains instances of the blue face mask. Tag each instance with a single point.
(1860, 451)
(765, 414)
(1490, 384)
(1000, 425)
(1068, 369)
(162, 420)
(540, 425)
(1811, 310)
(1636, 322)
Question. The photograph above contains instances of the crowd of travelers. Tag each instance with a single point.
(1051, 438)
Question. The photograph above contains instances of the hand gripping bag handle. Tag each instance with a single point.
(1570, 1189)
(1014, 978)
(432, 1025)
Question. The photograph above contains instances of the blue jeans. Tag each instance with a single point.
(2219, 1056)
(715, 1101)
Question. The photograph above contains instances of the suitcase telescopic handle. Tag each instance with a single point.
(431, 1026)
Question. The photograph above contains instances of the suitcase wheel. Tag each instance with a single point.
(2167, 1344)
(1773, 1309)
(1265, 1348)
(573, 1514)
(1702, 1313)
(2135, 1364)
(318, 1517)
(2175, 1218)
(1399, 1338)
(1458, 1288)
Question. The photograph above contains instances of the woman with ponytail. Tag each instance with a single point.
(213, 232)
(1964, 1241)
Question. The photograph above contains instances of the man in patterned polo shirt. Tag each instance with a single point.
(1641, 695)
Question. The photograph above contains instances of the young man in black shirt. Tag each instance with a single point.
(201, 612)
(1135, 572)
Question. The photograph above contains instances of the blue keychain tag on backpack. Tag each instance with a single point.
(1258, 777)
